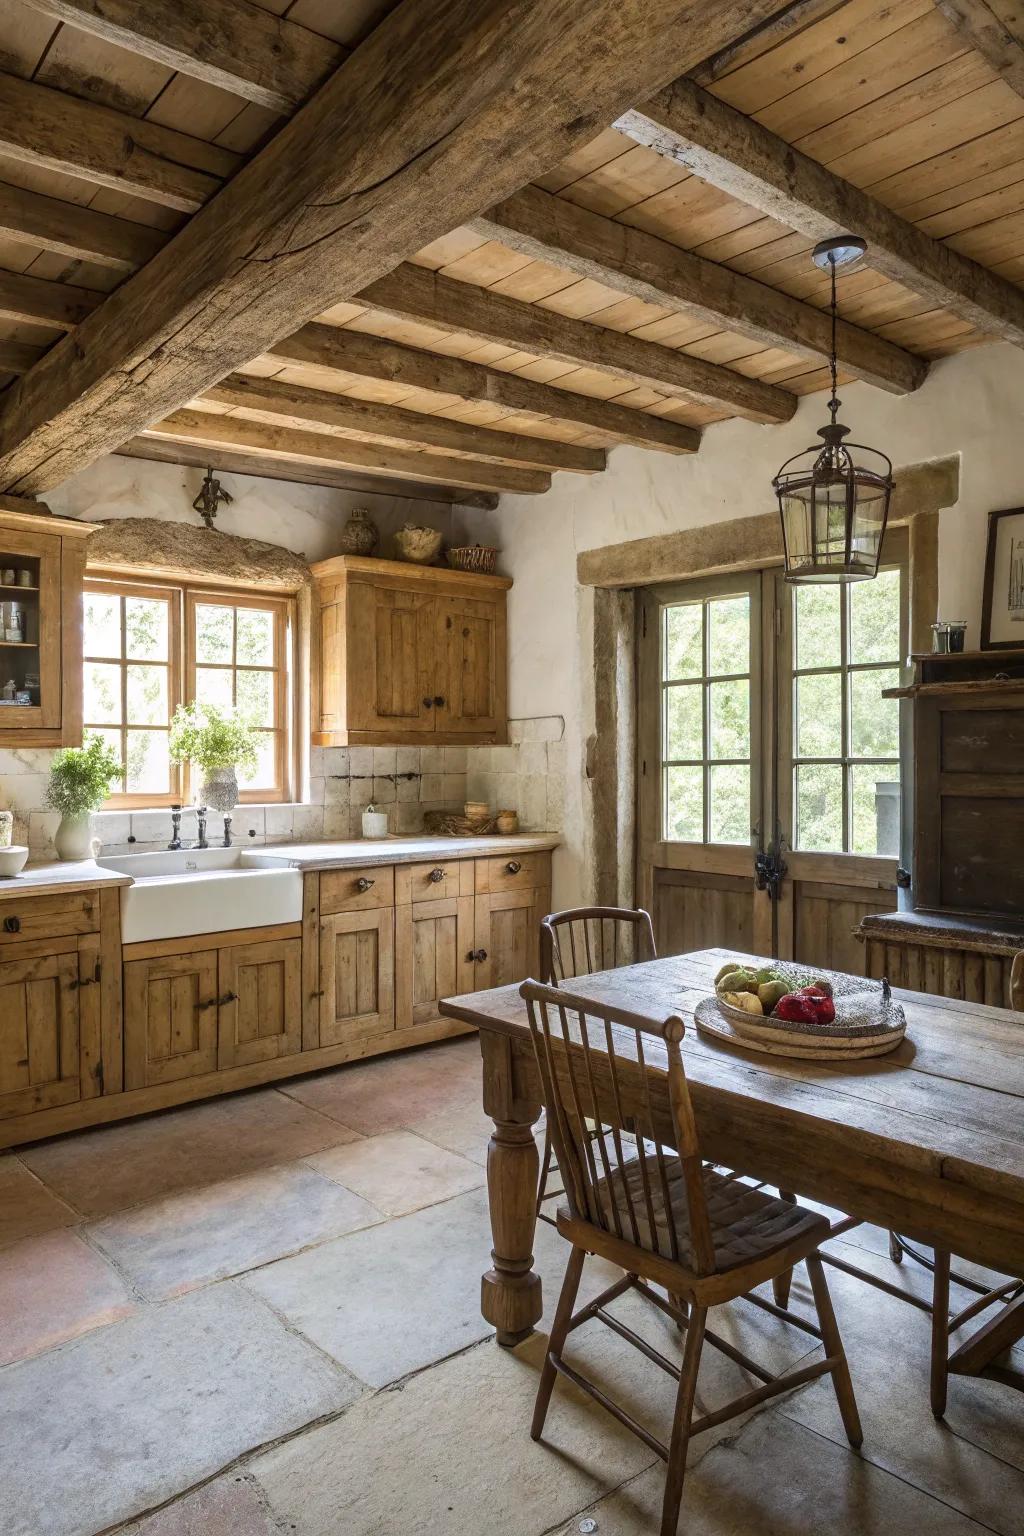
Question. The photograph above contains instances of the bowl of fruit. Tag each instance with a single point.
(744, 993)
(779, 1005)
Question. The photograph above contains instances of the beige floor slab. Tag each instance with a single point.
(27, 1207)
(53, 1288)
(389, 1092)
(109, 1169)
(462, 1128)
(120, 1421)
(170, 1246)
(398, 1172)
(230, 1506)
(777, 1479)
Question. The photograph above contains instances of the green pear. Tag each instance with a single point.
(770, 993)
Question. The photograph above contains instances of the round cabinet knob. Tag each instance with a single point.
(439, 700)
(362, 884)
(436, 876)
(513, 867)
(12, 925)
(477, 954)
(428, 703)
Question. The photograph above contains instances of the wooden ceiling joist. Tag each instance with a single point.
(45, 127)
(637, 264)
(289, 405)
(733, 152)
(37, 301)
(232, 44)
(19, 356)
(397, 148)
(283, 443)
(159, 451)
(995, 28)
(330, 350)
(82, 234)
(416, 293)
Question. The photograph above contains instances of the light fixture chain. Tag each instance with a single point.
(833, 403)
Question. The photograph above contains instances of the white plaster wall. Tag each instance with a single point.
(971, 403)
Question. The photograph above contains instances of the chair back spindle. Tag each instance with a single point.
(582, 940)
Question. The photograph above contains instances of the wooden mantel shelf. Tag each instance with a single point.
(969, 685)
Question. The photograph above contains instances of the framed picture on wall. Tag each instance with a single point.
(1002, 603)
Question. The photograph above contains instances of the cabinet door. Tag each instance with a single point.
(40, 1033)
(170, 1018)
(357, 975)
(471, 651)
(390, 663)
(433, 941)
(30, 631)
(507, 936)
(260, 1015)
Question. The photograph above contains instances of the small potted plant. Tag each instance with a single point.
(80, 780)
(219, 742)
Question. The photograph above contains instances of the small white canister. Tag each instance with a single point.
(375, 823)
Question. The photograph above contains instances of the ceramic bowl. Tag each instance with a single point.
(13, 860)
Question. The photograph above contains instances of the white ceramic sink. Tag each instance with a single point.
(202, 890)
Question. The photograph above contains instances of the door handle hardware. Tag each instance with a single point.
(210, 1003)
(317, 994)
(513, 867)
(12, 925)
(770, 870)
(362, 884)
(229, 997)
(439, 700)
(428, 703)
(436, 876)
(477, 954)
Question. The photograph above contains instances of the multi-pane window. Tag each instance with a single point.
(846, 746)
(150, 648)
(705, 720)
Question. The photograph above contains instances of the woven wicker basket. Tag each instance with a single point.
(474, 557)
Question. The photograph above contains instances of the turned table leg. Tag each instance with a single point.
(510, 1292)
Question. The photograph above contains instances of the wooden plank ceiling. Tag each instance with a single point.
(656, 280)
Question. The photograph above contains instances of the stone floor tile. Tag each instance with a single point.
(386, 1093)
(27, 1207)
(108, 1169)
(120, 1421)
(175, 1244)
(398, 1172)
(53, 1288)
(450, 1453)
(778, 1479)
(462, 1128)
(229, 1506)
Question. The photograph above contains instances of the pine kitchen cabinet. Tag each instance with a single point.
(410, 655)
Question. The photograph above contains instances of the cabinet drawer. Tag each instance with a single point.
(440, 880)
(357, 890)
(49, 917)
(513, 872)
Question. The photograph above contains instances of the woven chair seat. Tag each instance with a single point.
(746, 1223)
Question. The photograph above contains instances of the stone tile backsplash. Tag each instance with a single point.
(528, 775)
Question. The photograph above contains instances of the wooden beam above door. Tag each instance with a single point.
(733, 152)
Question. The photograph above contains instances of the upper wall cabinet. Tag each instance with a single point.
(42, 567)
(410, 655)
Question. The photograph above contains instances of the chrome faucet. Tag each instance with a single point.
(227, 831)
(200, 841)
(175, 842)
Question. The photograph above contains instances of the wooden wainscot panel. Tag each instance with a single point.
(357, 974)
(357, 890)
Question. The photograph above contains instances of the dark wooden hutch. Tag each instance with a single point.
(964, 920)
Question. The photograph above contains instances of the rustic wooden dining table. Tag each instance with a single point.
(927, 1140)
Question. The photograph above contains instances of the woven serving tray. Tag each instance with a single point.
(710, 1021)
(867, 1023)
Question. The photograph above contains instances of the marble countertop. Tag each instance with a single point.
(38, 879)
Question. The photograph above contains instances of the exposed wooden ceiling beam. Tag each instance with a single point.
(228, 43)
(996, 29)
(630, 261)
(396, 149)
(218, 431)
(415, 293)
(80, 233)
(19, 356)
(288, 404)
(49, 128)
(763, 38)
(735, 153)
(328, 349)
(34, 299)
(162, 451)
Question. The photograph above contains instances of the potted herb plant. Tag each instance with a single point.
(80, 779)
(219, 742)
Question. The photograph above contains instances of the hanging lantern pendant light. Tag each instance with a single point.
(834, 500)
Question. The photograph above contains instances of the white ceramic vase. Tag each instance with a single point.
(73, 838)
(219, 790)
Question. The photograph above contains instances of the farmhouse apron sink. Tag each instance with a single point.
(201, 890)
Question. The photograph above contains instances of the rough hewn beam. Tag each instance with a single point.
(217, 431)
(326, 348)
(996, 29)
(49, 128)
(640, 265)
(36, 300)
(415, 293)
(733, 152)
(162, 451)
(288, 404)
(761, 39)
(229, 43)
(81, 233)
(441, 112)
